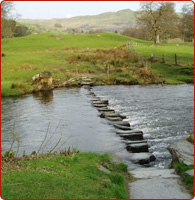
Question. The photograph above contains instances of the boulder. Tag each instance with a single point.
(142, 158)
(114, 118)
(122, 127)
(182, 151)
(137, 148)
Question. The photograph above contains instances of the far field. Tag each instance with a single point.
(103, 56)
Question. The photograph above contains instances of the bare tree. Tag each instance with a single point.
(157, 16)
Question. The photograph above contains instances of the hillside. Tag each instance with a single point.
(110, 21)
(102, 56)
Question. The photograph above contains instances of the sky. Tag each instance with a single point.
(67, 9)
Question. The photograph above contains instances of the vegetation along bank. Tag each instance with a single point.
(110, 58)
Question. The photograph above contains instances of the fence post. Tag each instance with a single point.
(175, 59)
(163, 58)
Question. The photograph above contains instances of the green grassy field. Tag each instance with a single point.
(76, 176)
(68, 56)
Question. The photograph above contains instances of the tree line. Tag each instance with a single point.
(9, 26)
(157, 21)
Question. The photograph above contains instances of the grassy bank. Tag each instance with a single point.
(100, 55)
(76, 176)
(186, 179)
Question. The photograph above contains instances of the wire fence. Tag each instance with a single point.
(170, 59)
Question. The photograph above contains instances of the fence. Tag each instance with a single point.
(170, 59)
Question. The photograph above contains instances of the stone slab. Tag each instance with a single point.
(114, 118)
(158, 188)
(148, 173)
(122, 127)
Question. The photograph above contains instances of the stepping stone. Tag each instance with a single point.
(99, 101)
(86, 83)
(122, 127)
(103, 115)
(128, 131)
(137, 148)
(152, 172)
(114, 118)
(96, 99)
(106, 110)
(142, 158)
(158, 188)
(99, 105)
(132, 136)
(123, 123)
(92, 93)
(135, 141)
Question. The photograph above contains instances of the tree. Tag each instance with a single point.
(9, 27)
(187, 22)
(158, 18)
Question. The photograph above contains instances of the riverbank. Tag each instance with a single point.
(68, 57)
(51, 176)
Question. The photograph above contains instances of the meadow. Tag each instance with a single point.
(103, 56)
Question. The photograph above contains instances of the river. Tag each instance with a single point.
(164, 113)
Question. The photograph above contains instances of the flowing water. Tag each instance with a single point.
(165, 115)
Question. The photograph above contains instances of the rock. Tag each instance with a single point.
(152, 172)
(114, 118)
(96, 99)
(128, 131)
(99, 105)
(84, 83)
(105, 109)
(182, 151)
(132, 136)
(106, 114)
(100, 101)
(158, 188)
(137, 148)
(92, 93)
(122, 127)
(44, 81)
(135, 141)
(142, 158)
(123, 123)
(35, 77)
(190, 172)
(104, 169)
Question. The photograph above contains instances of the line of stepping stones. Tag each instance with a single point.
(135, 142)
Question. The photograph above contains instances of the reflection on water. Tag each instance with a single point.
(164, 114)
(45, 96)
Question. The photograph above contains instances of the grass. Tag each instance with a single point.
(188, 180)
(76, 176)
(69, 56)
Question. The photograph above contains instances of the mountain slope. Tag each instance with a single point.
(109, 21)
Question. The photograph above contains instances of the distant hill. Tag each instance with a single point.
(109, 21)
